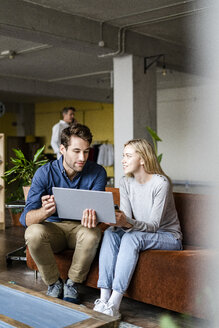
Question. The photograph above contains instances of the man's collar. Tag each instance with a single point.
(60, 160)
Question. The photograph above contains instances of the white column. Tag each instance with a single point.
(134, 104)
(123, 109)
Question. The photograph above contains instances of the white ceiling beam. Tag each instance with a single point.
(21, 86)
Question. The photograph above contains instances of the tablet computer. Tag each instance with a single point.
(71, 203)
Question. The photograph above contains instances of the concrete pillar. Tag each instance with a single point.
(134, 104)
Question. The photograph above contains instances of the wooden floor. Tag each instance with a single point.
(133, 312)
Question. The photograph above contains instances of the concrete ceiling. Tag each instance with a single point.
(58, 53)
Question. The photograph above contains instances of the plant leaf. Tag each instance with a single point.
(12, 180)
(38, 154)
(18, 153)
(159, 158)
(153, 134)
(42, 162)
(16, 160)
(12, 170)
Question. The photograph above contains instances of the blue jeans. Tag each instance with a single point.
(120, 251)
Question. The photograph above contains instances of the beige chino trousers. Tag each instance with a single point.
(47, 238)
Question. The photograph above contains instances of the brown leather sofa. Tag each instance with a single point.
(173, 280)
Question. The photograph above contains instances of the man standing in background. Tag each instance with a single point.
(68, 114)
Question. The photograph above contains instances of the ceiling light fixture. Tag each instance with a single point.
(164, 71)
(149, 61)
(8, 53)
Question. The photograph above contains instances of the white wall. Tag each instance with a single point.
(183, 125)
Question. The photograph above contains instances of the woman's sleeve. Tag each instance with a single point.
(125, 204)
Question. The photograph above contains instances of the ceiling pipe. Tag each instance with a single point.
(166, 18)
(79, 76)
(33, 49)
(151, 10)
(116, 53)
(123, 29)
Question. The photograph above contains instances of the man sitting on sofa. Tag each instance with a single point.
(47, 234)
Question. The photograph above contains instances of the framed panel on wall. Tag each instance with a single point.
(2, 183)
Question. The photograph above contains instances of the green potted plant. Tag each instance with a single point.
(155, 139)
(21, 174)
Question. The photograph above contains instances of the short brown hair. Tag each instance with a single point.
(78, 130)
(66, 109)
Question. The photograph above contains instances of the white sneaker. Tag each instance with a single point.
(99, 305)
(112, 311)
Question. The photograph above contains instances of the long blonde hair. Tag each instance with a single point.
(147, 154)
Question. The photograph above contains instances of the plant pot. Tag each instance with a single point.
(15, 218)
(26, 190)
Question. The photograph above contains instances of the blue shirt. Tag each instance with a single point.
(52, 174)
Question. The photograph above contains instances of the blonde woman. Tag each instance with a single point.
(147, 219)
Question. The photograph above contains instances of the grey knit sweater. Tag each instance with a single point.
(150, 206)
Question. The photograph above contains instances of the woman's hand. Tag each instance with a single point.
(121, 220)
(89, 218)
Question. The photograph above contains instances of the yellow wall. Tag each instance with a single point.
(97, 116)
(6, 124)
